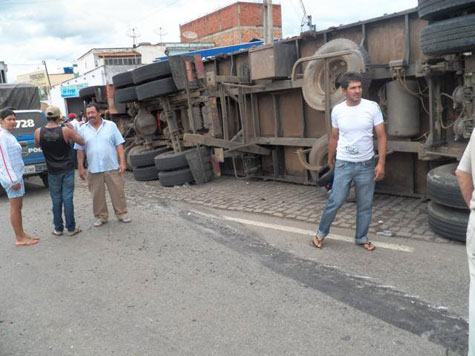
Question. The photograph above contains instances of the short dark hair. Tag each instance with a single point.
(93, 105)
(6, 112)
(350, 77)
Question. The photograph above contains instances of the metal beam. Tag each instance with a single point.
(216, 142)
(284, 141)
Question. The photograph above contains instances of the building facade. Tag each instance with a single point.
(237, 23)
(42, 81)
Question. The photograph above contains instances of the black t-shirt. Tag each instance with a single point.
(56, 150)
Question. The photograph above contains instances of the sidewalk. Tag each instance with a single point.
(404, 217)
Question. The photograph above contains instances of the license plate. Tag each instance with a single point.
(40, 167)
(30, 169)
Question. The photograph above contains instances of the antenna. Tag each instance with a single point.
(159, 31)
(134, 33)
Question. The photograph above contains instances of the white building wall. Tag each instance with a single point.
(86, 63)
(58, 92)
(110, 71)
(150, 52)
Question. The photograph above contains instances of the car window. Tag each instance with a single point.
(27, 122)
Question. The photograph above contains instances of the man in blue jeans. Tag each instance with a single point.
(55, 142)
(351, 140)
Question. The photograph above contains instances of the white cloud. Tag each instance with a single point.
(60, 31)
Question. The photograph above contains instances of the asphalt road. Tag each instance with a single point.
(182, 280)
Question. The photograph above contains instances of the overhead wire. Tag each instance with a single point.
(8, 3)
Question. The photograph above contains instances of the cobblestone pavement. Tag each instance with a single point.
(404, 217)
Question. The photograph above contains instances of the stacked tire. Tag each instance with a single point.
(143, 164)
(96, 91)
(153, 80)
(125, 88)
(451, 28)
(173, 169)
(448, 212)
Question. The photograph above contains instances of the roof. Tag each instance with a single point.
(119, 54)
(212, 52)
(106, 49)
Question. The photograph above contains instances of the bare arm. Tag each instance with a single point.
(121, 153)
(82, 171)
(37, 138)
(466, 185)
(72, 136)
(332, 143)
(382, 143)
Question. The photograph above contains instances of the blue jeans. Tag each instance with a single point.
(362, 174)
(61, 188)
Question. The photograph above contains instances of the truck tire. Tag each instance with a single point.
(125, 95)
(151, 72)
(133, 150)
(145, 158)
(442, 9)
(127, 161)
(178, 177)
(318, 155)
(170, 161)
(442, 187)
(449, 36)
(145, 173)
(314, 82)
(90, 92)
(448, 222)
(156, 88)
(122, 80)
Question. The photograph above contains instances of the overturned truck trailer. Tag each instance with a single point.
(266, 110)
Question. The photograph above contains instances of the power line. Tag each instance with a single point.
(153, 12)
(7, 3)
(23, 64)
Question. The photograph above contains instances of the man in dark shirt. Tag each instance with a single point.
(55, 142)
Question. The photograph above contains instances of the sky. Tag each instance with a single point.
(60, 31)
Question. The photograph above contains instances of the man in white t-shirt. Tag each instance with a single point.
(351, 141)
(466, 178)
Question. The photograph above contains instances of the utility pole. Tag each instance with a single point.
(47, 75)
(268, 24)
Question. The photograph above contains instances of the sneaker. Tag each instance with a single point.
(125, 219)
(99, 222)
(76, 231)
(57, 233)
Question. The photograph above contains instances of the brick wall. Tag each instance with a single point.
(237, 35)
(222, 24)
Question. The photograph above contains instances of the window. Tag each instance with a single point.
(122, 61)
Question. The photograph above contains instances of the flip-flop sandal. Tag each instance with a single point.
(26, 243)
(34, 238)
(317, 242)
(368, 246)
(76, 231)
